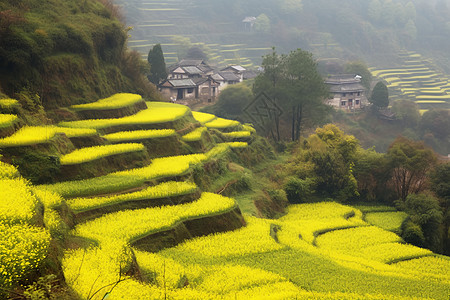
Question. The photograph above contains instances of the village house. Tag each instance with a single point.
(196, 80)
(346, 92)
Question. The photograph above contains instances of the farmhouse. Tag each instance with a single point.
(346, 92)
(192, 79)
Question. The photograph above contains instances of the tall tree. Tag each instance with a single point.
(158, 70)
(410, 162)
(380, 95)
(294, 81)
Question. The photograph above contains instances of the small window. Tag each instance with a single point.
(190, 90)
(359, 93)
(343, 103)
(357, 102)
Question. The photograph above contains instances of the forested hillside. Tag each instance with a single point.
(373, 31)
(58, 53)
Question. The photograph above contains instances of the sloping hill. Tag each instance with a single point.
(146, 228)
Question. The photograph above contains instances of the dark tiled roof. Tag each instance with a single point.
(229, 76)
(235, 68)
(346, 87)
(180, 83)
(192, 70)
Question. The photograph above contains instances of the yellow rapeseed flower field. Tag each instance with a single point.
(113, 102)
(96, 152)
(122, 136)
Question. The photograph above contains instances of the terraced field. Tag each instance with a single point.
(417, 80)
(169, 22)
(149, 232)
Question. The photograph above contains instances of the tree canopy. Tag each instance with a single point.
(410, 162)
(380, 95)
(298, 88)
(158, 70)
(232, 101)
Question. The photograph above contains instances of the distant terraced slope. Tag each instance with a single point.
(416, 80)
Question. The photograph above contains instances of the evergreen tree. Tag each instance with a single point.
(380, 95)
(158, 70)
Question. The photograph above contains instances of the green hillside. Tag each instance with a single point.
(108, 193)
(149, 226)
(57, 53)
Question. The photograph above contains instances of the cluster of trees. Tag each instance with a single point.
(331, 164)
(293, 83)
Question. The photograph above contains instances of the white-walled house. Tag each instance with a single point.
(346, 92)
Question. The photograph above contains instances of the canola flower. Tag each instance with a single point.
(96, 152)
(157, 112)
(356, 238)
(22, 249)
(163, 190)
(115, 101)
(430, 265)
(122, 180)
(29, 135)
(203, 117)
(8, 103)
(122, 136)
(195, 135)
(237, 134)
(254, 238)
(125, 226)
(387, 220)
(237, 145)
(7, 120)
(8, 171)
(76, 132)
(17, 204)
(221, 123)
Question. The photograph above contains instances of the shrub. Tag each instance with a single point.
(412, 233)
(298, 190)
